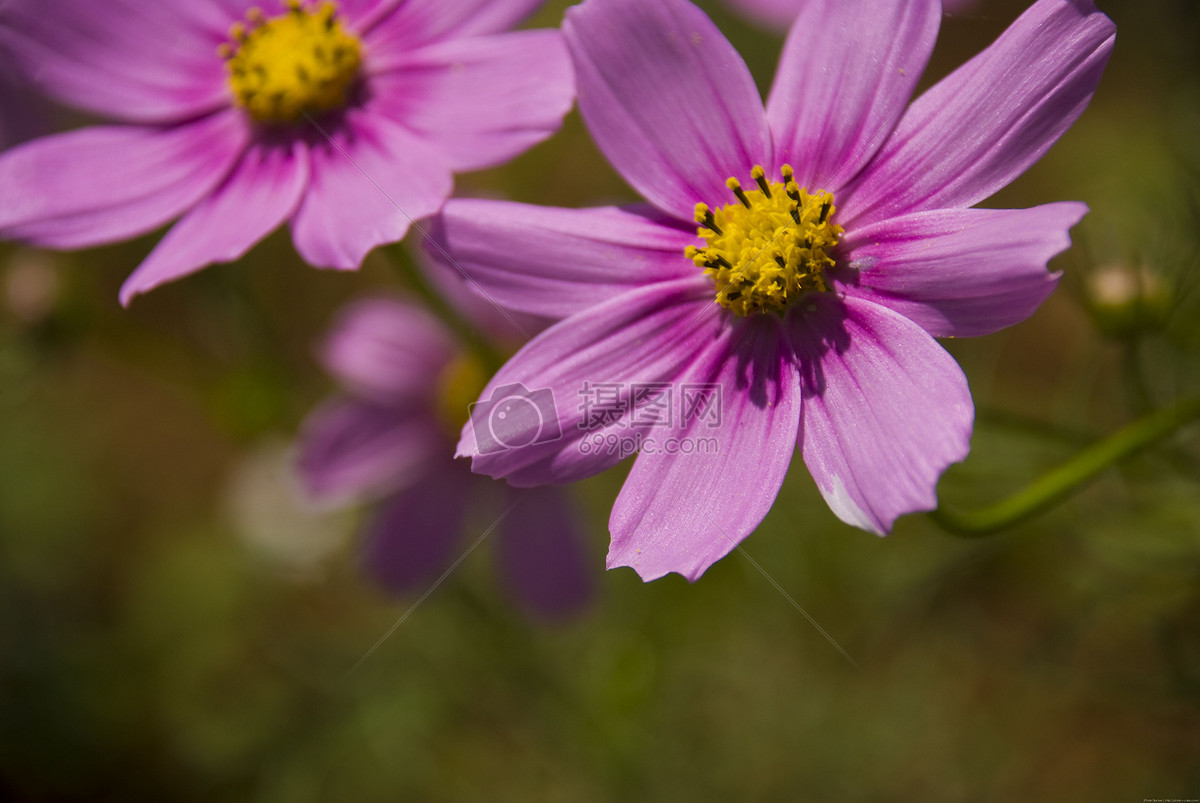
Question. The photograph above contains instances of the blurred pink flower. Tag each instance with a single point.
(388, 438)
(346, 120)
(821, 334)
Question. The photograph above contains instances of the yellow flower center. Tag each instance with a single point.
(300, 62)
(458, 385)
(770, 247)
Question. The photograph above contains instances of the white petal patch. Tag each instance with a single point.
(840, 502)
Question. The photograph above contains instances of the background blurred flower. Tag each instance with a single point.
(388, 438)
(32, 286)
(853, 377)
(346, 120)
(275, 518)
(1126, 301)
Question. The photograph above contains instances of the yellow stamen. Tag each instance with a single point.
(300, 62)
(769, 249)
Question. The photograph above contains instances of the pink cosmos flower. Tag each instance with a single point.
(345, 119)
(834, 243)
(389, 438)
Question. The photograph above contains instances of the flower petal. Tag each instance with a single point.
(847, 71)
(508, 329)
(682, 512)
(137, 61)
(388, 351)
(353, 450)
(885, 410)
(371, 179)
(542, 559)
(537, 419)
(987, 122)
(667, 99)
(413, 23)
(416, 533)
(961, 272)
(257, 197)
(480, 101)
(104, 184)
(555, 262)
(361, 16)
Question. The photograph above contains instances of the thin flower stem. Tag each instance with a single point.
(1135, 377)
(1071, 476)
(470, 337)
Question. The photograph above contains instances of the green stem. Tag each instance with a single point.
(1071, 476)
(1135, 377)
(416, 281)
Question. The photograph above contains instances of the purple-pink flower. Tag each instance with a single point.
(834, 244)
(388, 439)
(344, 119)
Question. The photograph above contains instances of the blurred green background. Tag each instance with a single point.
(174, 624)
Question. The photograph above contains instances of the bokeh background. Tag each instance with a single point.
(175, 624)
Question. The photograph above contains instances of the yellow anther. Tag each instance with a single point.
(760, 177)
(736, 186)
(704, 217)
(769, 249)
(300, 62)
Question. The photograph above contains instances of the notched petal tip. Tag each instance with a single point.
(649, 575)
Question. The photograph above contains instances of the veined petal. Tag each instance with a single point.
(388, 351)
(541, 557)
(104, 184)
(413, 23)
(988, 121)
(479, 101)
(682, 512)
(847, 71)
(354, 450)
(361, 16)
(257, 197)
(667, 99)
(556, 262)
(415, 535)
(960, 272)
(132, 60)
(547, 415)
(371, 179)
(885, 409)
